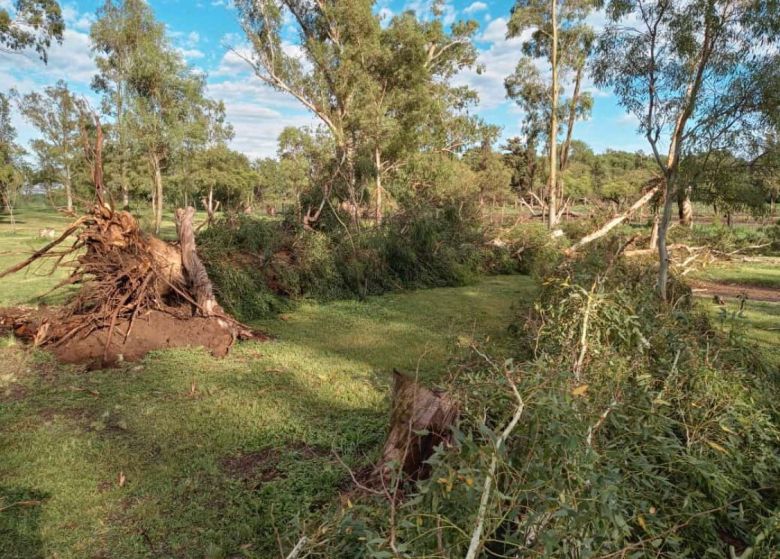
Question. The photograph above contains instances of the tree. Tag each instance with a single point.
(222, 175)
(520, 156)
(11, 177)
(30, 23)
(379, 92)
(56, 117)
(157, 102)
(686, 70)
(117, 36)
(560, 36)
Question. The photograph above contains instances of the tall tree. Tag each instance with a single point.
(559, 35)
(56, 117)
(10, 153)
(118, 36)
(376, 90)
(156, 100)
(686, 69)
(30, 24)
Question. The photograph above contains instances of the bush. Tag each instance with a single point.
(667, 445)
(258, 266)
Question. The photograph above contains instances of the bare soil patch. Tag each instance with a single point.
(730, 290)
(262, 466)
(153, 330)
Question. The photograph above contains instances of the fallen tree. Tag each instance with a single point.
(617, 220)
(137, 292)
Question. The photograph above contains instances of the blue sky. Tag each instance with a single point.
(203, 29)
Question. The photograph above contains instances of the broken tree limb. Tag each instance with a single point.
(615, 221)
(197, 277)
(476, 534)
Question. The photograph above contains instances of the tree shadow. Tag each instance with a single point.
(20, 511)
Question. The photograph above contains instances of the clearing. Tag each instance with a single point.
(185, 455)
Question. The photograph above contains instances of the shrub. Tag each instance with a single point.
(667, 446)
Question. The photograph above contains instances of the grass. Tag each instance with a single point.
(218, 457)
(185, 455)
(759, 274)
(758, 320)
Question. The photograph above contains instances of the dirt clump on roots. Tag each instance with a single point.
(137, 293)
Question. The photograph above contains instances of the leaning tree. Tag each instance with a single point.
(687, 70)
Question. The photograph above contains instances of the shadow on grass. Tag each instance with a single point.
(20, 511)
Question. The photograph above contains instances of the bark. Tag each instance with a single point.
(196, 275)
(566, 148)
(415, 409)
(614, 222)
(685, 207)
(10, 209)
(158, 192)
(378, 163)
(663, 228)
(654, 231)
(68, 190)
(552, 206)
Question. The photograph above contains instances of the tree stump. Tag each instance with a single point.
(420, 420)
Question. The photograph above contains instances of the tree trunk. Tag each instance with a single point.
(197, 278)
(68, 190)
(685, 207)
(10, 209)
(552, 206)
(421, 419)
(614, 222)
(654, 231)
(157, 199)
(378, 163)
(663, 228)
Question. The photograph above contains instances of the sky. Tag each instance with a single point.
(205, 30)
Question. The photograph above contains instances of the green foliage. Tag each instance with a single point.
(30, 23)
(667, 446)
(721, 237)
(422, 248)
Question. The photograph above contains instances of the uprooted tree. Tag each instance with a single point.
(137, 293)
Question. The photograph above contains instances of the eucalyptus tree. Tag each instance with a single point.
(30, 24)
(118, 37)
(11, 177)
(687, 70)
(55, 114)
(379, 92)
(558, 34)
(157, 102)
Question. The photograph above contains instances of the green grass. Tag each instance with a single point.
(759, 320)
(758, 274)
(171, 423)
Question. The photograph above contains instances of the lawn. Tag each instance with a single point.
(758, 320)
(185, 455)
(762, 273)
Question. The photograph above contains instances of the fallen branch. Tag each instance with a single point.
(476, 535)
(614, 222)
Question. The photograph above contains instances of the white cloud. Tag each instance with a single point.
(475, 7)
(190, 54)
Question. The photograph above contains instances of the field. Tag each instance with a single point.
(184, 455)
(183, 452)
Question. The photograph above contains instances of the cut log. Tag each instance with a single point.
(421, 419)
(615, 221)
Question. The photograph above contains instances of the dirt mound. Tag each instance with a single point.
(155, 329)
